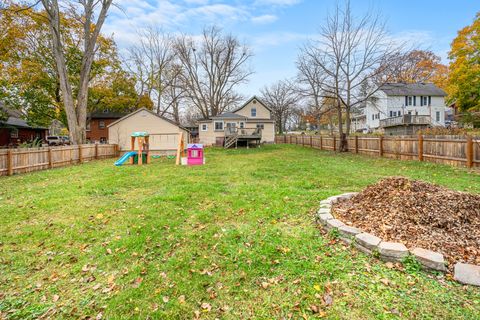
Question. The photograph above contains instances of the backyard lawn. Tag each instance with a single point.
(232, 239)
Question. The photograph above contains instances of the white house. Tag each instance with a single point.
(411, 106)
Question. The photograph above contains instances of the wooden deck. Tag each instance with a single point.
(233, 136)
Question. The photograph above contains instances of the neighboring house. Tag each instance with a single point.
(14, 130)
(163, 132)
(97, 125)
(252, 122)
(404, 108)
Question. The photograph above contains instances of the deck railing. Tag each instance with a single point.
(243, 131)
(406, 119)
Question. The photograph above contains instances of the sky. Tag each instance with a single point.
(276, 29)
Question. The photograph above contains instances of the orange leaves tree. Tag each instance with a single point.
(463, 86)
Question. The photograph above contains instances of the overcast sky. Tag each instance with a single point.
(275, 29)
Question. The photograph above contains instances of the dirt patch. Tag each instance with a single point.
(418, 214)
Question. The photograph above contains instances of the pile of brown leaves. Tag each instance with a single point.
(418, 214)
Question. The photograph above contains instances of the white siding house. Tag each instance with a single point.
(421, 104)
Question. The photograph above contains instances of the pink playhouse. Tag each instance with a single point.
(195, 154)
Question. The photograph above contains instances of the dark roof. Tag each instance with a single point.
(412, 89)
(229, 115)
(15, 119)
(145, 109)
(107, 115)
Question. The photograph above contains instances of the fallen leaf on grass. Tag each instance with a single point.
(55, 297)
(327, 299)
(181, 299)
(206, 307)
(165, 299)
(385, 281)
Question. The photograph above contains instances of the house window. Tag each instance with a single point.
(14, 133)
(429, 100)
(437, 116)
(103, 140)
(423, 101)
(373, 117)
(260, 126)
(101, 124)
(242, 125)
(410, 101)
(253, 112)
(204, 127)
(88, 126)
(218, 125)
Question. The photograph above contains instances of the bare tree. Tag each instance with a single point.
(282, 97)
(76, 107)
(213, 66)
(352, 54)
(152, 62)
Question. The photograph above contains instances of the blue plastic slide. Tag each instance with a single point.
(125, 157)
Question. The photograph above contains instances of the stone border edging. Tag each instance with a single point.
(390, 251)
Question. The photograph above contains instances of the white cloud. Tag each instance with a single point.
(264, 19)
(278, 3)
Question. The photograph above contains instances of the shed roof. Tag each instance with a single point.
(412, 89)
(145, 109)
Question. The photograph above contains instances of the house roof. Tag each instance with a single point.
(149, 111)
(412, 89)
(15, 119)
(107, 115)
(249, 100)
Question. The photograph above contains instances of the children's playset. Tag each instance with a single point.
(194, 155)
(140, 156)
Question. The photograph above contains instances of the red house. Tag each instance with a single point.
(97, 124)
(14, 130)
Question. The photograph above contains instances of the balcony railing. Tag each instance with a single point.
(406, 119)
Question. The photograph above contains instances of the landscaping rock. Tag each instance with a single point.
(367, 242)
(392, 251)
(324, 210)
(467, 273)
(349, 231)
(324, 217)
(347, 195)
(429, 259)
(325, 202)
(333, 223)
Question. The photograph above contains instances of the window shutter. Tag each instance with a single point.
(414, 100)
(421, 101)
(406, 101)
(429, 100)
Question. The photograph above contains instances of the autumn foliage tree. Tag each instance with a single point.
(463, 85)
(418, 66)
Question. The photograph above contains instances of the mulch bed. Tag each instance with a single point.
(418, 214)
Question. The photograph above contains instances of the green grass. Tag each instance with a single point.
(236, 235)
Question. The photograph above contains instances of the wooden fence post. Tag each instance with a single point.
(420, 147)
(321, 142)
(303, 140)
(356, 144)
(469, 151)
(79, 153)
(311, 143)
(96, 150)
(285, 139)
(334, 143)
(9, 162)
(380, 146)
(50, 158)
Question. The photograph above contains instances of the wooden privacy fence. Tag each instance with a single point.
(33, 159)
(452, 150)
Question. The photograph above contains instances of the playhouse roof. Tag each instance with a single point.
(194, 146)
(140, 134)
